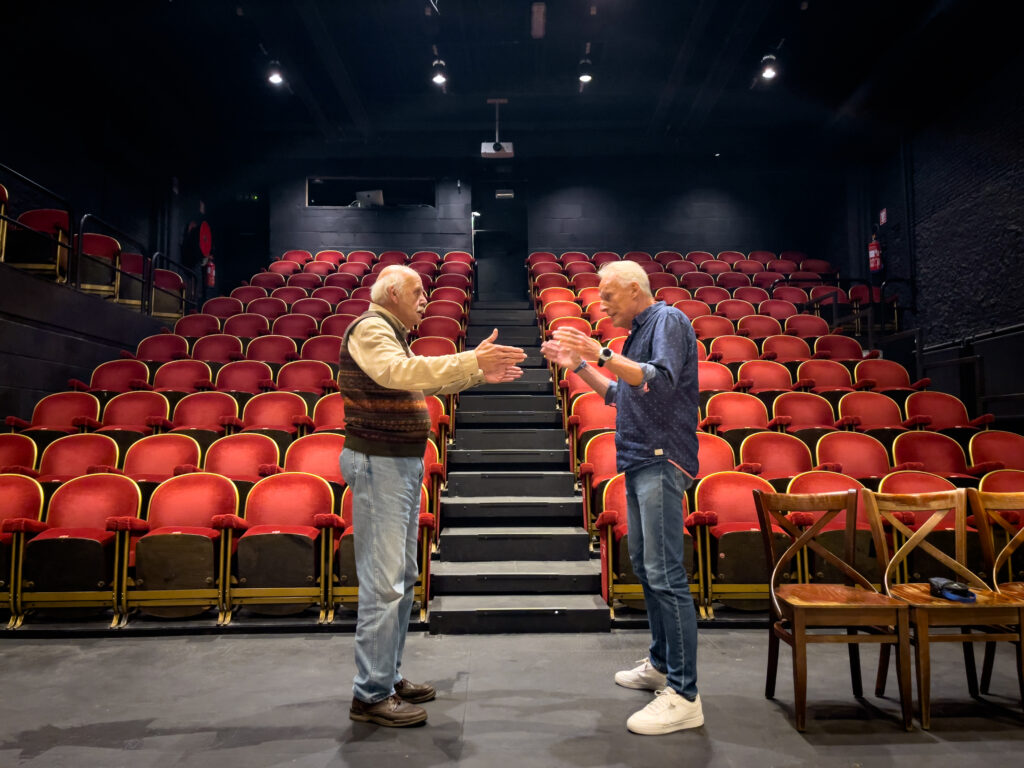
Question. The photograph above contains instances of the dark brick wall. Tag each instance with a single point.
(655, 206)
(968, 224)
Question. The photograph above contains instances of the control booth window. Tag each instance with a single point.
(368, 192)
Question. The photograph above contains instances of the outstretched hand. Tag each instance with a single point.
(498, 360)
(577, 343)
(511, 373)
(561, 356)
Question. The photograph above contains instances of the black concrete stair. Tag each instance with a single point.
(460, 545)
(480, 614)
(516, 577)
(512, 554)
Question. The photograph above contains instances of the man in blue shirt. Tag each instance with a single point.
(655, 396)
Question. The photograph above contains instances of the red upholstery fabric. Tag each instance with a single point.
(22, 525)
(104, 537)
(126, 523)
(309, 532)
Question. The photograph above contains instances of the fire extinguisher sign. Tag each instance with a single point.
(883, 216)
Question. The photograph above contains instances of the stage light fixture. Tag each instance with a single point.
(586, 70)
(769, 67)
(274, 74)
(439, 72)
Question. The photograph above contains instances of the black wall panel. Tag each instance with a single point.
(49, 334)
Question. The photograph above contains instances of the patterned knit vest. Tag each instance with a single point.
(380, 421)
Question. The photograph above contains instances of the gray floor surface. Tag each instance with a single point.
(256, 701)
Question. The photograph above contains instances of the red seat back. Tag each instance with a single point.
(204, 410)
(135, 408)
(730, 496)
(181, 375)
(859, 455)
(87, 502)
(271, 349)
(72, 455)
(304, 376)
(273, 410)
(193, 326)
(317, 454)
(158, 455)
(243, 376)
(241, 455)
(737, 410)
(61, 409)
(23, 497)
(247, 325)
(289, 498)
(325, 348)
(217, 348)
(329, 412)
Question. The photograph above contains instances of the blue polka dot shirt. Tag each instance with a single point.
(657, 420)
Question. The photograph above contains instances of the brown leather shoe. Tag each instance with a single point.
(392, 712)
(415, 694)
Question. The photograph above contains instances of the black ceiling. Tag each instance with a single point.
(184, 79)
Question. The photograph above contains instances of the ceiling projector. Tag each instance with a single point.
(497, 149)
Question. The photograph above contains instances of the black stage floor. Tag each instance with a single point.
(262, 700)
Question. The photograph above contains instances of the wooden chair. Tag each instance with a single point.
(997, 517)
(852, 613)
(992, 618)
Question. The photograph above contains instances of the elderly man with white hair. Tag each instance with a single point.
(655, 396)
(387, 424)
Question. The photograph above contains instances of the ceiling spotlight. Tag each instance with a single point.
(769, 67)
(586, 70)
(439, 72)
(274, 75)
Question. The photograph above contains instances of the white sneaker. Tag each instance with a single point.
(644, 677)
(668, 712)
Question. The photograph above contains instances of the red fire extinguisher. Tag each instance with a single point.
(206, 248)
(874, 255)
(211, 272)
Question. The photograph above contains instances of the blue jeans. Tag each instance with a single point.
(654, 501)
(385, 512)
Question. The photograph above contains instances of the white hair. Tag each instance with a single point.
(394, 276)
(626, 272)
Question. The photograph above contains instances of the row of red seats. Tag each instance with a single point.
(205, 416)
(189, 550)
(713, 272)
(349, 281)
(584, 294)
(225, 307)
(333, 295)
(667, 257)
(371, 258)
(325, 269)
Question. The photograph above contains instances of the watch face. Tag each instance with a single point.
(606, 354)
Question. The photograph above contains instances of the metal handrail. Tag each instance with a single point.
(147, 270)
(65, 204)
(191, 275)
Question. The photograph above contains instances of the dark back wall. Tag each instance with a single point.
(966, 227)
(442, 227)
(652, 205)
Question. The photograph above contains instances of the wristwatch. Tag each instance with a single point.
(604, 356)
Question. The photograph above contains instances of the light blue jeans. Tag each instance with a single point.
(654, 499)
(385, 511)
